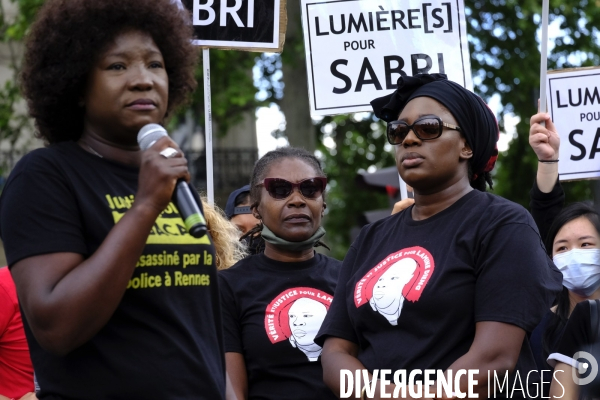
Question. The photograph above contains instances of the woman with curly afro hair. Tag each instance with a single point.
(118, 300)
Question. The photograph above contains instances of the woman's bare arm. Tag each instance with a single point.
(67, 299)
(236, 371)
(563, 386)
(496, 349)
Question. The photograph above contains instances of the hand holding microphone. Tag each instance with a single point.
(182, 196)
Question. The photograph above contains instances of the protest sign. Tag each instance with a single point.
(574, 104)
(544, 55)
(251, 25)
(357, 49)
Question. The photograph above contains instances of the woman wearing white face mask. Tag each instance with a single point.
(570, 235)
(576, 250)
(580, 269)
(574, 243)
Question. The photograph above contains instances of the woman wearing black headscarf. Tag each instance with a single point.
(454, 282)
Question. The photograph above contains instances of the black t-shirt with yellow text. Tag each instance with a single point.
(164, 340)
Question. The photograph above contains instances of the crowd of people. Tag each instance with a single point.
(107, 296)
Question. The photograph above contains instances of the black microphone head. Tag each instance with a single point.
(149, 134)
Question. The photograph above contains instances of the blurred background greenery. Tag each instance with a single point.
(505, 58)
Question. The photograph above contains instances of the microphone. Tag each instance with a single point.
(182, 196)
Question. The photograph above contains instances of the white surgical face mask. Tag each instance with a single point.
(580, 269)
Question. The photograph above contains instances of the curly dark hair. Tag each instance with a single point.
(65, 40)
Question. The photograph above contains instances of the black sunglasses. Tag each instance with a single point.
(426, 128)
(280, 189)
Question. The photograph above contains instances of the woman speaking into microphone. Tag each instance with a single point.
(118, 300)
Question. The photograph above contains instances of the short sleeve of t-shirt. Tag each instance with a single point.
(48, 223)
(513, 270)
(231, 325)
(337, 322)
(576, 335)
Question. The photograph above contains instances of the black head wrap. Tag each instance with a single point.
(477, 122)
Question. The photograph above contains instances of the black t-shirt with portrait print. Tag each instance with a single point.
(410, 292)
(164, 341)
(272, 311)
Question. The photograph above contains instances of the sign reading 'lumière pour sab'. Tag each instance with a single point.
(574, 103)
(240, 24)
(357, 49)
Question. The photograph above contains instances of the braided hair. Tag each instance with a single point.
(480, 181)
(261, 168)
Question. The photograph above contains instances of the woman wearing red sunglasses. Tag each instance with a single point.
(275, 301)
(453, 283)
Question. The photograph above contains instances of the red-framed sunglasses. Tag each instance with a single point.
(280, 189)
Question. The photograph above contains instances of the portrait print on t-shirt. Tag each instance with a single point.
(296, 314)
(400, 276)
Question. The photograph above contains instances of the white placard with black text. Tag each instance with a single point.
(234, 24)
(574, 104)
(357, 49)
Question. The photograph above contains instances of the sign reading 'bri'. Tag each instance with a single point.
(241, 24)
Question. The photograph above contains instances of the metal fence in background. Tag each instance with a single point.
(232, 168)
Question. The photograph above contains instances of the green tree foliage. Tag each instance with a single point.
(232, 86)
(349, 144)
(232, 89)
(15, 28)
(12, 31)
(505, 60)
